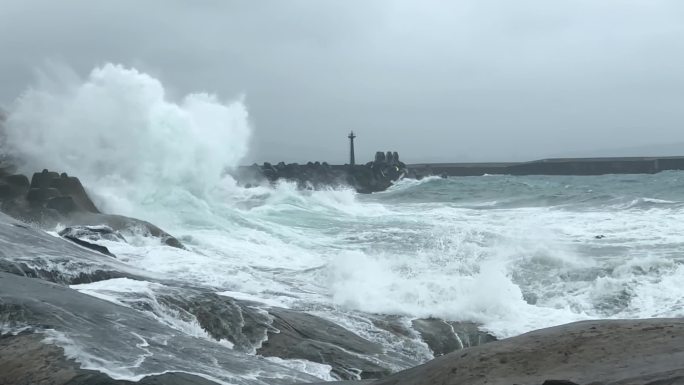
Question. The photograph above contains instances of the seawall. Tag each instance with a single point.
(557, 166)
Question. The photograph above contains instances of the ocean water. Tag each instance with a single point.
(511, 253)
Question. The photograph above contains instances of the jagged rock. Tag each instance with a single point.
(444, 337)
(72, 187)
(46, 185)
(305, 336)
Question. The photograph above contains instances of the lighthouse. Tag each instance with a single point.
(351, 148)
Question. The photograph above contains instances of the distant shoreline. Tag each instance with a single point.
(549, 166)
(558, 166)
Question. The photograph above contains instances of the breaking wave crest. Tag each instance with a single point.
(122, 134)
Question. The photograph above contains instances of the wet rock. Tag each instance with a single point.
(57, 276)
(114, 336)
(122, 224)
(26, 359)
(635, 352)
(93, 233)
(222, 317)
(362, 382)
(305, 336)
(393, 325)
(92, 246)
(30, 252)
(444, 337)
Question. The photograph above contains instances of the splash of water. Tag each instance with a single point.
(119, 131)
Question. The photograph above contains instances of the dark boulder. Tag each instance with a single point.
(46, 185)
(71, 186)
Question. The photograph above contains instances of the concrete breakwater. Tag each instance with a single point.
(379, 174)
(556, 166)
(374, 176)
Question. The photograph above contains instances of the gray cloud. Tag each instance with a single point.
(435, 80)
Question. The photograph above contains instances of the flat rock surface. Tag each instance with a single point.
(26, 359)
(612, 352)
(121, 340)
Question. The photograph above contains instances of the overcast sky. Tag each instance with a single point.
(451, 80)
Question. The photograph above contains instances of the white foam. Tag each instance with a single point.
(119, 290)
(321, 371)
(253, 298)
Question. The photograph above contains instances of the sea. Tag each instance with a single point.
(510, 253)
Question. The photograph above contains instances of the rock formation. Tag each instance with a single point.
(50, 198)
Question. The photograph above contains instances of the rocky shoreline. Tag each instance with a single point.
(39, 311)
(48, 327)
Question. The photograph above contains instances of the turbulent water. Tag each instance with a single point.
(511, 253)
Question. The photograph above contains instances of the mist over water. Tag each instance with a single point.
(511, 253)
